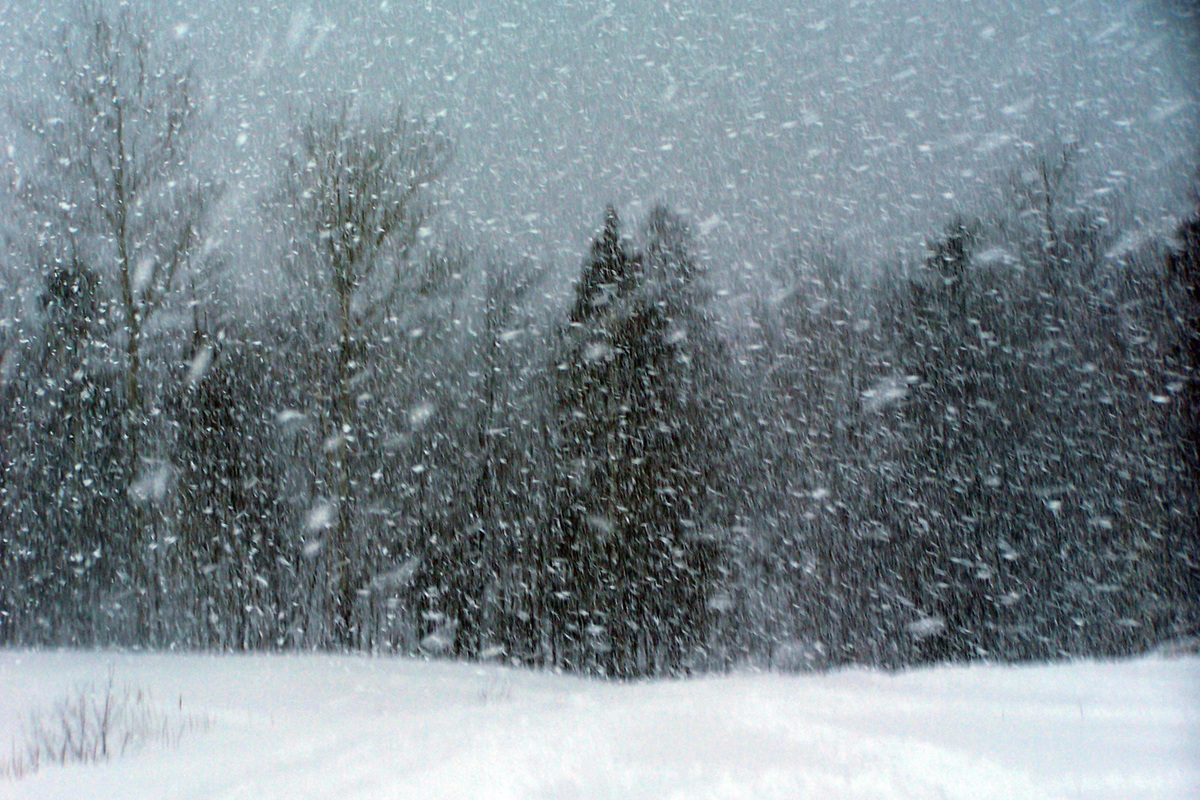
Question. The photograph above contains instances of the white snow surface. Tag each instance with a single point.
(346, 727)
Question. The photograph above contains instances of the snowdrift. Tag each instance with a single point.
(347, 727)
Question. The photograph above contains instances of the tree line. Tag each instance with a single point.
(400, 447)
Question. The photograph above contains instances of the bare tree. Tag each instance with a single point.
(112, 189)
(114, 140)
(1064, 235)
(354, 195)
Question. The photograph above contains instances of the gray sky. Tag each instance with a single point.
(765, 122)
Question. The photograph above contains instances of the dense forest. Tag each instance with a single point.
(398, 444)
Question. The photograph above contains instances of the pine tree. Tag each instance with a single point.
(61, 505)
(1183, 278)
(234, 567)
(639, 435)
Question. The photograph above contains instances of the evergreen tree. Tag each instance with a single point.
(61, 504)
(1183, 288)
(235, 564)
(639, 433)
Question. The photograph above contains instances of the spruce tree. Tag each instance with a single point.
(638, 432)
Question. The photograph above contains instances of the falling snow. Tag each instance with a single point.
(626, 341)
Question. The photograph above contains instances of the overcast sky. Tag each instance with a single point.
(765, 122)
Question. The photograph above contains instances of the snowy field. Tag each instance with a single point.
(348, 727)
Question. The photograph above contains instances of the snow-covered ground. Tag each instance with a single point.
(345, 727)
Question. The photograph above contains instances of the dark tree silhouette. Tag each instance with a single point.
(639, 434)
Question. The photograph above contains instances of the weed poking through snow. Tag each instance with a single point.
(93, 724)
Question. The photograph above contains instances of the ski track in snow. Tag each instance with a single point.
(349, 727)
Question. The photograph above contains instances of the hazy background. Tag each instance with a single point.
(769, 124)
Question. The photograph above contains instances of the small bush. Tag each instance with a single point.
(93, 724)
(497, 690)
